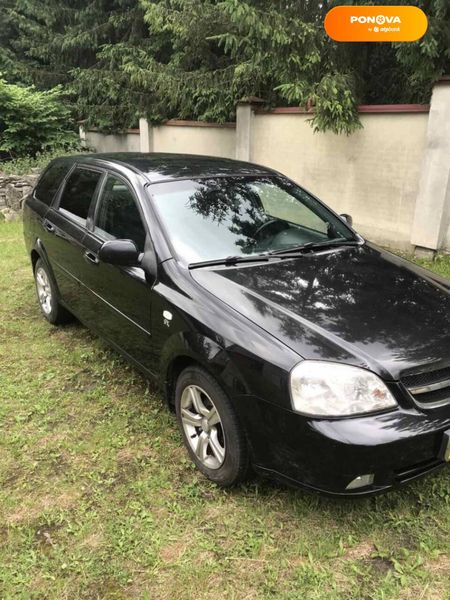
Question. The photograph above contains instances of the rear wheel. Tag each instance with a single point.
(47, 295)
(210, 428)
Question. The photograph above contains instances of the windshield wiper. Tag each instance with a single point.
(229, 261)
(313, 246)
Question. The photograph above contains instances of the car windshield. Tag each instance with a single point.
(209, 219)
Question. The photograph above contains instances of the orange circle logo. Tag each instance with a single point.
(376, 23)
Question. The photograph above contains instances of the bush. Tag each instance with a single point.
(33, 121)
(26, 164)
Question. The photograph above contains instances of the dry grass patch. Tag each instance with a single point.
(361, 551)
(34, 506)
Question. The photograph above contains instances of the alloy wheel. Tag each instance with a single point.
(44, 290)
(203, 426)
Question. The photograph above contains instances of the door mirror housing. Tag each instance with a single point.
(347, 218)
(122, 253)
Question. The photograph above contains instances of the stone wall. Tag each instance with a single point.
(13, 189)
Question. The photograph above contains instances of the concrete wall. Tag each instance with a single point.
(124, 142)
(432, 213)
(213, 141)
(372, 175)
(392, 176)
(447, 236)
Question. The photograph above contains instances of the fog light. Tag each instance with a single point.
(361, 481)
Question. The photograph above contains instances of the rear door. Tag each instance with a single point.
(122, 295)
(65, 226)
(37, 204)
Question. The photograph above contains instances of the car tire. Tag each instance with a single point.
(210, 428)
(48, 296)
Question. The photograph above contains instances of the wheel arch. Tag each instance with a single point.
(173, 370)
(38, 252)
(190, 349)
(35, 256)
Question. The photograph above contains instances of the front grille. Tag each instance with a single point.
(430, 389)
(426, 378)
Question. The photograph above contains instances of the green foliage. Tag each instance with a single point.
(8, 33)
(64, 41)
(201, 56)
(122, 59)
(333, 100)
(26, 164)
(32, 121)
(427, 59)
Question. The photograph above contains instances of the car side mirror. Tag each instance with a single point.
(347, 218)
(122, 253)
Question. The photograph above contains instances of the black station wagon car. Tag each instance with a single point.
(283, 339)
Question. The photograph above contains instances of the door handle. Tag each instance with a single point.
(48, 226)
(91, 257)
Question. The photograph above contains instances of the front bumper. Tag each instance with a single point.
(327, 454)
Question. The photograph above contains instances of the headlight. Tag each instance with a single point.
(334, 390)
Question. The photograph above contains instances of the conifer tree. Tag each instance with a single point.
(120, 59)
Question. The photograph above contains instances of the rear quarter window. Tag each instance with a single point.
(50, 181)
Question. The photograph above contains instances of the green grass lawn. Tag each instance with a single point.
(99, 500)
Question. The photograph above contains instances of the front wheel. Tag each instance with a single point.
(210, 428)
(47, 295)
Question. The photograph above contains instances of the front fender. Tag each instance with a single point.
(241, 355)
(188, 347)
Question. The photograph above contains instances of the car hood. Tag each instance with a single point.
(359, 305)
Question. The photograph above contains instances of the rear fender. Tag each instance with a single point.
(39, 249)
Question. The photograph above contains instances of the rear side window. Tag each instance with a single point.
(50, 181)
(78, 193)
(118, 216)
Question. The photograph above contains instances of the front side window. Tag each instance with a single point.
(215, 218)
(117, 215)
(50, 181)
(78, 194)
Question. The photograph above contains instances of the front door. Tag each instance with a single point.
(121, 295)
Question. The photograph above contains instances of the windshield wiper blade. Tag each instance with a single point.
(282, 253)
(313, 246)
(230, 261)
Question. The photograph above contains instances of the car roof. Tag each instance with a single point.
(165, 166)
